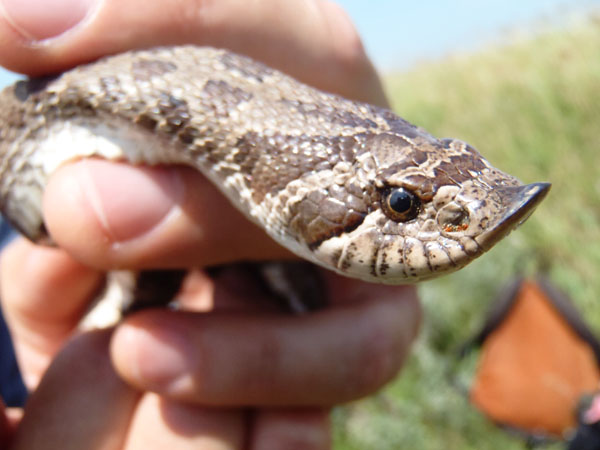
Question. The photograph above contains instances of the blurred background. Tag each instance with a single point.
(520, 81)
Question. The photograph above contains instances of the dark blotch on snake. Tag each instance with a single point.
(244, 66)
(318, 217)
(224, 97)
(269, 163)
(25, 88)
(397, 124)
(173, 111)
(330, 114)
(146, 69)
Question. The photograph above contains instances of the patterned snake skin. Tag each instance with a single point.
(346, 185)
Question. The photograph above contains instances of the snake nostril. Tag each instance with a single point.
(452, 218)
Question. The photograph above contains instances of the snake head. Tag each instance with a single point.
(435, 205)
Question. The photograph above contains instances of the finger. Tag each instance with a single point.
(160, 423)
(80, 402)
(44, 293)
(325, 358)
(313, 40)
(111, 215)
(307, 429)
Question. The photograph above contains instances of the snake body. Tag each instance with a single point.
(347, 185)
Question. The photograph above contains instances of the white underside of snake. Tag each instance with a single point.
(346, 185)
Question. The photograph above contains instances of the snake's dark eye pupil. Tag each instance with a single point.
(401, 205)
(400, 201)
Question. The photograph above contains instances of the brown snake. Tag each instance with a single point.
(349, 186)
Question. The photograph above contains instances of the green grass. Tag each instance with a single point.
(533, 109)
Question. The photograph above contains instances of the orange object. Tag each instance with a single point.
(537, 359)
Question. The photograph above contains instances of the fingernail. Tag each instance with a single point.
(44, 19)
(129, 201)
(155, 360)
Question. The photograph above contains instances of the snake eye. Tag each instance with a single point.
(400, 205)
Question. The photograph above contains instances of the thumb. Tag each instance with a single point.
(113, 215)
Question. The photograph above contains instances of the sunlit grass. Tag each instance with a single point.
(533, 109)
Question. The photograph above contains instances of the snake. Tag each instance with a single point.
(346, 185)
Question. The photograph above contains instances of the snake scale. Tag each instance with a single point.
(346, 185)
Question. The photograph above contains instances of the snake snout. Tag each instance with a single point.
(518, 203)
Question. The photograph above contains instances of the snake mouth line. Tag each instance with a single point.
(521, 202)
(313, 245)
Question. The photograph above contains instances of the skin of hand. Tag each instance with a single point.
(228, 372)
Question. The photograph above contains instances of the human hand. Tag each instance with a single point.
(256, 367)
(287, 361)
